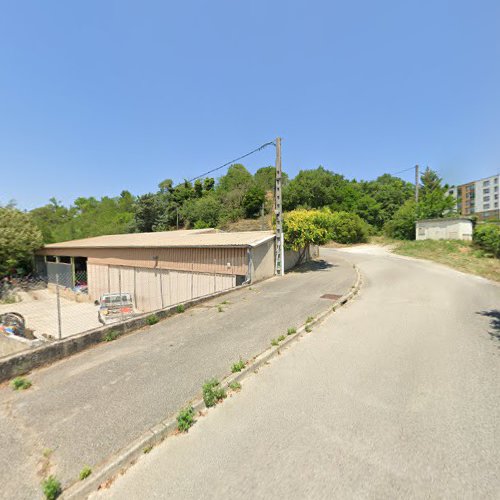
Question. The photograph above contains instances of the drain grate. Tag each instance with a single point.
(330, 296)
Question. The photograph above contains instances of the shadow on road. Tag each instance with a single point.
(313, 265)
(494, 314)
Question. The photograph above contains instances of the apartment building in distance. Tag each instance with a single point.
(478, 198)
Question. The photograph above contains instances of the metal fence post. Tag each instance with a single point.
(120, 291)
(58, 301)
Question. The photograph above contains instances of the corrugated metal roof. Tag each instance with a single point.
(181, 238)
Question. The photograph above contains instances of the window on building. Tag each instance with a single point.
(496, 204)
(486, 198)
(486, 183)
(486, 191)
(496, 180)
(486, 206)
(496, 197)
(496, 189)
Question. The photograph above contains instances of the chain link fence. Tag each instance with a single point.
(65, 302)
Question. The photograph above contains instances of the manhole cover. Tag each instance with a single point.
(330, 296)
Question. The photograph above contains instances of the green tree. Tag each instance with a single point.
(316, 189)
(202, 212)
(253, 201)
(19, 238)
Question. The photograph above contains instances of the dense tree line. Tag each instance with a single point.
(385, 203)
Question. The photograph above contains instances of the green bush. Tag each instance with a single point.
(487, 237)
(281, 338)
(185, 419)
(51, 488)
(112, 335)
(20, 384)
(235, 386)
(152, 319)
(212, 392)
(291, 330)
(317, 227)
(274, 342)
(85, 472)
(180, 308)
(402, 225)
(238, 366)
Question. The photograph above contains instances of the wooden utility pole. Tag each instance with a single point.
(278, 210)
(417, 181)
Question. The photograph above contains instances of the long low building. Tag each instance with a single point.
(163, 268)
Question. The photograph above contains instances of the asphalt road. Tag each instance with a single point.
(396, 395)
(85, 408)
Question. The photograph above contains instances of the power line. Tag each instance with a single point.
(260, 148)
(401, 171)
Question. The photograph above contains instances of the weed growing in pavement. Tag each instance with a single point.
(85, 472)
(235, 386)
(274, 342)
(147, 449)
(20, 384)
(212, 392)
(51, 488)
(152, 319)
(237, 367)
(180, 308)
(281, 338)
(219, 308)
(225, 302)
(308, 329)
(291, 331)
(309, 319)
(185, 419)
(47, 452)
(112, 335)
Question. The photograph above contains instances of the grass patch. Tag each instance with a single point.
(235, 386)
(85, 472)
(281, 338)
(147, 449)
(185, 419)
(152, 319)
(238, 366)
(110, 336)
(180, 308)
(309, 319)
(291, 331)
(274, 342)
(461, 255)
(212, 392)
(20, 384)
(51, 488)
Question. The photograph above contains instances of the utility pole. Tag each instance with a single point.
(417, 180)
(278, 210)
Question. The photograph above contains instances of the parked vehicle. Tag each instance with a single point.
(115, 307)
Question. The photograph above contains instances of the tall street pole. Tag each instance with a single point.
(417, 181)
(278, 210)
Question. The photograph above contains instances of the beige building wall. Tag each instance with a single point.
(262, 261)
(220, 260)
(154, 289)
(444, 229)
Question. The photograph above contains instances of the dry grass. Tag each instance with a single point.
(461, 255)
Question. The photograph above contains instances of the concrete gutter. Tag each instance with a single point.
(128, 456)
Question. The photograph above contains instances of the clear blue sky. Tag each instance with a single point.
(100, 96)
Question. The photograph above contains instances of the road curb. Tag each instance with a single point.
(119, 462)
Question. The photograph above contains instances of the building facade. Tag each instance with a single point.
(478, 198)
(444, 229)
